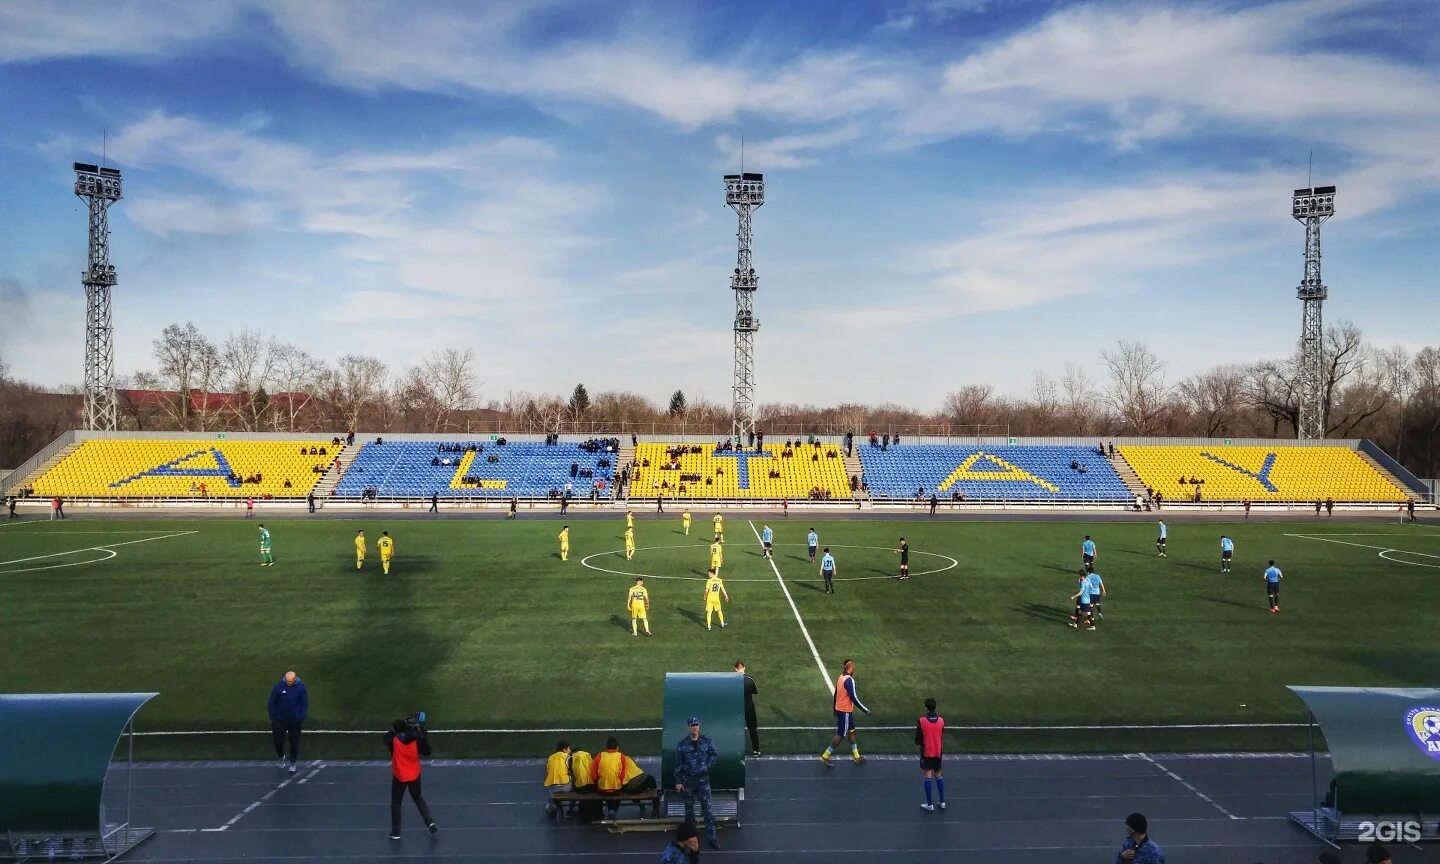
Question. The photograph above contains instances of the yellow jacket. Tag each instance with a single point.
(614, 769)
(582, 768)
(557, 769)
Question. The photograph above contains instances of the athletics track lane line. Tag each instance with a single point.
(1181, 780)
(262, 799)
(804, 631)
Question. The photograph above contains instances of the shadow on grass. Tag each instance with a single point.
(1135, 552)
(812, 586)
(400, 566)
(691, 615)
(1041, 612)
(621, 622)
(1202, 567)
(1073, 571)
(1225, 601)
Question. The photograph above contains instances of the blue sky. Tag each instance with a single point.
(959, 191)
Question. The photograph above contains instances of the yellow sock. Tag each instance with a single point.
(647, 626)
(387, 567)
(707, 617)
(635, 627)
(721, 613)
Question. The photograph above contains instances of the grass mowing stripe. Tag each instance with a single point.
(105, 548)
(804, 631)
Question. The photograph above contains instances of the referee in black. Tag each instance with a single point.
(752, 724)
(904, 553)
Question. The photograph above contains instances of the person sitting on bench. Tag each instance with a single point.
(557, 775)
(616, 773)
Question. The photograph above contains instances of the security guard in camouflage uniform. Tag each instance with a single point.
(694, 757)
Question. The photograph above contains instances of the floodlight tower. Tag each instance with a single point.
(1311, 207)
(100, 187)
(744, 193)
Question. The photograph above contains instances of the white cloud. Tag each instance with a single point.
(163, 215)
(784, 151)
(33, 30)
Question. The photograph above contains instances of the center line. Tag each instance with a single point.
(824, 675)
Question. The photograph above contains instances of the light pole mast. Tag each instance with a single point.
(744, 193)
(99, 187)
(1311, 207)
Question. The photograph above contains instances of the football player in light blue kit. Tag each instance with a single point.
(1227, 552)
(813, 541)
(1272, 586)
(1087, 551)
(1160, 540)
(1081, 599)
(1097, 592)
(767, 538)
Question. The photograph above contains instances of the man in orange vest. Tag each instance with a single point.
(615, 772)
(929, 732)
(407, 743)
(845, 704)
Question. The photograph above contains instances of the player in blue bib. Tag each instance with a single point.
(1272, 586)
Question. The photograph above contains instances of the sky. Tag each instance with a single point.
(958, 191)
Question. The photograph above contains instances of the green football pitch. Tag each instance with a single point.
(482, 625)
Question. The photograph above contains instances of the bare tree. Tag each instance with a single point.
(248, 360)
(450, 378)
(1216, 398)
(1354, 391)
(297, 378)
(1080, 400)
(1138, 391)
(185, 361)
(970, 405)
(356, 383)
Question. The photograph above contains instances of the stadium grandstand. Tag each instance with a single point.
(481, 469)
(798, 470)
(136, 466)
(1024, 473)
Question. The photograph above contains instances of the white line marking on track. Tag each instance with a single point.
(1201, 795)
(804, 631)
(262, 799)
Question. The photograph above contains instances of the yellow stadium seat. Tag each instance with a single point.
(149, 468)
(1241, 473)
(722, 475)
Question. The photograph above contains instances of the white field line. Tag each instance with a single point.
(804, 631)
(1131, 727)
(1182, 781)
(104, 548)
(1383, 549)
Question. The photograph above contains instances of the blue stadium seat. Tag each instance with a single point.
(403, 469)
(1014, 473)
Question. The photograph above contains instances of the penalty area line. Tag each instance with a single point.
(804, 631)
(102, 548)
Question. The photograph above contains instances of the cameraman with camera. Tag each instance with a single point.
(407, 742)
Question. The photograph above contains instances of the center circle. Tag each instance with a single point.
(585, 562)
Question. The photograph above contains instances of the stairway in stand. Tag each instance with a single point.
(1128, 476)
(331, 479)
(622, 459)
(853, 468)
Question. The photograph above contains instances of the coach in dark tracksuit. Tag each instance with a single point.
(289, 703)
(752, 723)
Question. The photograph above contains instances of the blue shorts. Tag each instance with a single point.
(844, 723)
(812, 550)
(1088, 559)
(1225, 555)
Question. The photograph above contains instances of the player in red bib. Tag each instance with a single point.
(929, 732)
